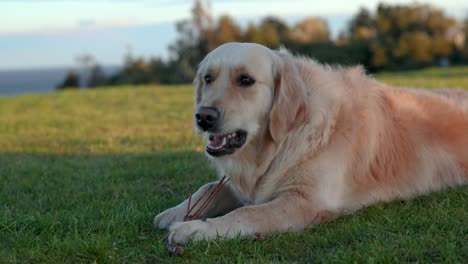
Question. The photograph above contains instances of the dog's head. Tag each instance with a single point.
(244, 90)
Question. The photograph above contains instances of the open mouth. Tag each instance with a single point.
(224, 144)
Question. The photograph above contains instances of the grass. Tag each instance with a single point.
(433, 78)
(84, 172)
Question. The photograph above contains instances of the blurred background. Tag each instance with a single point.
(48, 45)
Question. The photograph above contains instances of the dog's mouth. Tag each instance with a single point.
(224, 144)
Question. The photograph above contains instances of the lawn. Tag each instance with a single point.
(83, 173)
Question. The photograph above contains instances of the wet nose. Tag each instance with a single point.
(207, 118)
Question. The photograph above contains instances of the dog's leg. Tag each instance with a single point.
(224, 202)
(290, 211)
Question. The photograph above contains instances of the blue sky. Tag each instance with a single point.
(50, 33)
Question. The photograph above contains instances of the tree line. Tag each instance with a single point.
(392, 38)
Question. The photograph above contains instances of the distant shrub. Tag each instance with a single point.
(72, 80)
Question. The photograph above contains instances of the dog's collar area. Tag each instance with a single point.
(224, 144)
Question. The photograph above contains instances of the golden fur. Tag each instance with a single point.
(321, 142)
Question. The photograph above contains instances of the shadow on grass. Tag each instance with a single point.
(86, 208)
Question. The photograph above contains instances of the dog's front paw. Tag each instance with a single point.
(183, 232)
(171, 215)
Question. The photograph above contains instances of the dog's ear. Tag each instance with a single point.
(290, 101)
(197, 82)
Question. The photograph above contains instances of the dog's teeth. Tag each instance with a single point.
(224, 142)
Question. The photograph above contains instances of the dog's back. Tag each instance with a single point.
(424, 141)
(457, 96)
(404, 141)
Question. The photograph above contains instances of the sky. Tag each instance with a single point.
(53, 33)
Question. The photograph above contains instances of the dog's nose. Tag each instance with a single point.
(207, 118)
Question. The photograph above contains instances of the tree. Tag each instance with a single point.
(310, 30)
(274, 32)
(391, 37)
(253, 34)
(280, 27)
(403, 36)
(379, 56)
(191, 46)
(226, 31)
(463, 40)
(87, 60)
(72, 80)
(97, 76)
(414, 47)
(362, 26)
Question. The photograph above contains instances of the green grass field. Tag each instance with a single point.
(83, 173)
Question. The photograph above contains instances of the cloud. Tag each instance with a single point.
(82, 26)
(87, 23)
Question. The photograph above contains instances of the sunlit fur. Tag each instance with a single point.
(322, 141)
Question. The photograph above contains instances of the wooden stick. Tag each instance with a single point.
(212, 192)
(199, 199)
(176, 249)
(190, 198)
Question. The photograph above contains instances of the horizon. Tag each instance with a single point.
(65, 30)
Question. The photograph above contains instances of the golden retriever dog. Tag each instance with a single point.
(303, 143)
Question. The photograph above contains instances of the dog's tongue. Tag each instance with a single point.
(216, 141)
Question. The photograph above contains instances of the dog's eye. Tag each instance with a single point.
(208, 78)
(245, 80)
